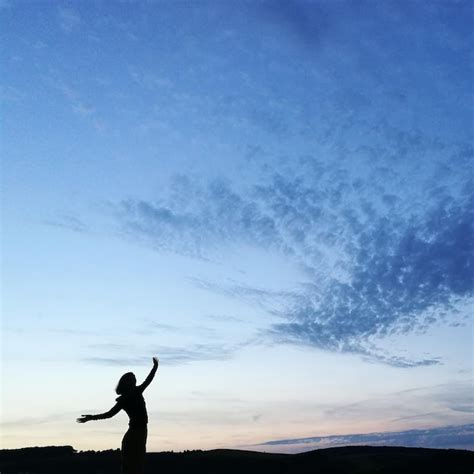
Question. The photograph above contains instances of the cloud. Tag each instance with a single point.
(164, 327)
(77, 104)
(307, 22)
(10, 94)
(193, 230)
(118, 361)
(69, 20)
(148, 80)
(167, 354)
(197, 352)
(262, 297)
(352, 183)
(396, 277)
(425, 406)
(35, 421)
(68, 222)
(443, 437)
(375, 260)
(222, 318)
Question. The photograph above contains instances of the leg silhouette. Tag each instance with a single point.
(133, 450)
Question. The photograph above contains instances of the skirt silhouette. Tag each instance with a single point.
(133, 450)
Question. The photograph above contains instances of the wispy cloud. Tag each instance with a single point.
(270, 300)
(35, 421)
(223, 318)
(78, 105)
(167, 354)
(443, 437)
(148, 80)
(69, 19)
(430, 405)
(67, 221)
(10, 94)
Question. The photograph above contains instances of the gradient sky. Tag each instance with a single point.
(275, 198)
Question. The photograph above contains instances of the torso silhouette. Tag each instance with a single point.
(134, 405)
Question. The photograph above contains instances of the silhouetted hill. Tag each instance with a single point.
(351, 460)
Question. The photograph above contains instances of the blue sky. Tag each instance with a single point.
(275, 198)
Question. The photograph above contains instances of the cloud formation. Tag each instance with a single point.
(384, 249)
(350, 169)
(396, 278)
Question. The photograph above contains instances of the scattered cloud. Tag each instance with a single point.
(376, 261)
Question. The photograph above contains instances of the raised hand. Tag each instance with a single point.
(84, 418)
(156, 361)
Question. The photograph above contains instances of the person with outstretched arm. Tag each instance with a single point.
(132, 402)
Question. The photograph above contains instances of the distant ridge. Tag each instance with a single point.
(349, 459)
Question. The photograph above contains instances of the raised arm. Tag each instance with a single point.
(150, 376)
(102, 416)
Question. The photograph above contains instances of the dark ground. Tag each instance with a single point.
(350, 460)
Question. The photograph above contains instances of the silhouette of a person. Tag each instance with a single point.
(132, 402)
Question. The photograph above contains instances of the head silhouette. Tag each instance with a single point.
(126, 383)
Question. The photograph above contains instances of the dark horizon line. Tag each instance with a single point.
(72, 450)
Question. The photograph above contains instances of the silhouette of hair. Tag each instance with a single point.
(126, 382)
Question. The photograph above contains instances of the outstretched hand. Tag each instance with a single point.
(156, 361)
(84, 418)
